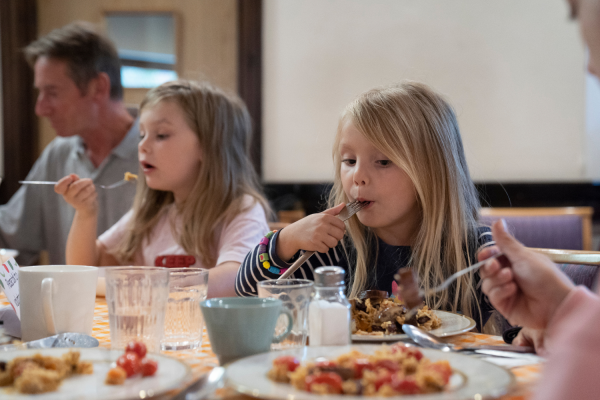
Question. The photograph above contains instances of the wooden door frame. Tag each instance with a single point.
(18, 28)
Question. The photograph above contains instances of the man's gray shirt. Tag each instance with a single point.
(36, 218)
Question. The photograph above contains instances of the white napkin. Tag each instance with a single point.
(12, 325)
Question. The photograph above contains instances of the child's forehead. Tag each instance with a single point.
(354, 140)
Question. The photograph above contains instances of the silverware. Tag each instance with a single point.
(203, 386)
(112, 186)
(422, 293)
(68, 339)
(348, 211)
(426, 339)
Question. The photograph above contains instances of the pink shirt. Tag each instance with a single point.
(234, 241)
(573, 341)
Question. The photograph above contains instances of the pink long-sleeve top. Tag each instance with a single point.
(573, 340)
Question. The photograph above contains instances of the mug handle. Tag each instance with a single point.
(47, 286)
(283, 335)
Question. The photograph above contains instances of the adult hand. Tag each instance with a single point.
(316, 232)
(80, 193)
(531, 337)
(524, 286)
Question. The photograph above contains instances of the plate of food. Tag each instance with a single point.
(377, 317)
(62, 373)
(367, 371)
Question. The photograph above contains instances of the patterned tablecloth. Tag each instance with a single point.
(203, 360)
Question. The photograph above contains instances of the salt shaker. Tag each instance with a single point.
(329, 310)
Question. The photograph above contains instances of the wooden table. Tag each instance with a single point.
(203, 360)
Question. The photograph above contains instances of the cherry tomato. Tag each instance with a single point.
(290, 362)
(130, 362)
(360, 365)
(382, 379)
(405, 385)
(331, 379)
(148, 367)
(136, 347)
(390, 365)
(408, 350)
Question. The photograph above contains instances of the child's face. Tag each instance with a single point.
(169, 151)
(368, 175)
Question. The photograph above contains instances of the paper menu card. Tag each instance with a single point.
(9, 280)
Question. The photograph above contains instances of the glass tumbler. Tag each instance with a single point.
(295, 295)
(136, 298)
(183, 319)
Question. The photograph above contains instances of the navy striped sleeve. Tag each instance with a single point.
(251, 270)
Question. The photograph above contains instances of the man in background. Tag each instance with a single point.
(77, 74)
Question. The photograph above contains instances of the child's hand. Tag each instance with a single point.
(316, 232)
(80, 193)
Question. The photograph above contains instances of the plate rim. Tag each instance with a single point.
(292, 394)
(402, 336)
(60, 350)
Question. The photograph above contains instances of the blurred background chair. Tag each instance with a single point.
(551, 228)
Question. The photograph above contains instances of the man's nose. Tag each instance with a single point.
(42, 108)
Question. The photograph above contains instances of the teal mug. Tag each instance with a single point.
(243, 326)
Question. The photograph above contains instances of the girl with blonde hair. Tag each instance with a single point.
(198, 201)
(398, 149)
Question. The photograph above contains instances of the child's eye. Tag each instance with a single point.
(385, 163)
(162, 136)
(349, 161)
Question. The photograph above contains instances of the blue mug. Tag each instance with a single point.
(243, 326)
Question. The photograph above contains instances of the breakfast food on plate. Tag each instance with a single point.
(130, 177)
(40, 374)
(390, 371)
(131, 363)
(376, 314)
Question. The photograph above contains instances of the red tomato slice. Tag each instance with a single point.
(331, 379)
(405, 386)
(360, 365)
(148, 367)
(290, 362)
(390, 365)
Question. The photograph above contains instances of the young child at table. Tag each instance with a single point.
(398, 148)
(197, 192)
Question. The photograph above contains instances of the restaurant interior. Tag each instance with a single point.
(513, 71)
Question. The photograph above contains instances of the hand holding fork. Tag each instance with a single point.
(343, 214)
(79, 193)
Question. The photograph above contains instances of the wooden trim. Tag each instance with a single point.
(250, 70)
(585, 213)
(571, 256)
(18, 28)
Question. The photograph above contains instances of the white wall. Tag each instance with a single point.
(514, 70)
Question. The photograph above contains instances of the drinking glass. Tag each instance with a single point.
(136, 298)
(295, 295)
(183, 318)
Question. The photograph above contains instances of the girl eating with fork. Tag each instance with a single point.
(398, 150)
(198, 201)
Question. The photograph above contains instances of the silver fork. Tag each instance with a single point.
(447, 282)
(348, 211)
(112, 186)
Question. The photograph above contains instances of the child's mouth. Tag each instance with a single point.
(366, 203)
(146, 167)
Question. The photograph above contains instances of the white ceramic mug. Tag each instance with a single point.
(56, 299)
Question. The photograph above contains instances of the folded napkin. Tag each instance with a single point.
(12, 325)
(516, 360)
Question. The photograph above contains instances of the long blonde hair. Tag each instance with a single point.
(417, 129)
(224, 129)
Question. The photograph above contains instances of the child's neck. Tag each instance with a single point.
(396, 236)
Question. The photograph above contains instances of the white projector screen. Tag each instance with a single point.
(514, 70)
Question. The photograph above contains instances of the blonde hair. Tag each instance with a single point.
(224, 129)
(417, 129)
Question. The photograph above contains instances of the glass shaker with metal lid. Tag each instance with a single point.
(329, 310)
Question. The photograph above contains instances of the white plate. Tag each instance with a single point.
(170, 374)
(452, 324)
(471, 376)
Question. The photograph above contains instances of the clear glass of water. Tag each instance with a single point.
(183, 319)
(295, 295)
(136, 298)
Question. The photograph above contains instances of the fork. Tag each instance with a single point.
(447, 282)
(348, 211)
(112, 186)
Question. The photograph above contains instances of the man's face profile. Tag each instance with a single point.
(59, 99)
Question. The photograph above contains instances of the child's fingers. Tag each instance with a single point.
(488, 252)
(63, 184)
(335, 210)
